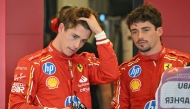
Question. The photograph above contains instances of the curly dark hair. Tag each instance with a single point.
(145, 12)
(71, 15)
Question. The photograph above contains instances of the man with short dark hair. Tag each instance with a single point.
(141, 75)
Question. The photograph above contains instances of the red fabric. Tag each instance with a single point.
(43, 79)
(137, 86)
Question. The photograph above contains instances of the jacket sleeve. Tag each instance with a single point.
(121, 93)
(105, 68)
(23, 87)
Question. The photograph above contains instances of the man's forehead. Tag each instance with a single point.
(140, 24)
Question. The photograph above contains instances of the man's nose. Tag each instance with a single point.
(76, 44)
(140, 35)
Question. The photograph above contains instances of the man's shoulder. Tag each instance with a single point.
(130, 62)
(177, 53)
(36, 55)
(88, 57)
(87, 54)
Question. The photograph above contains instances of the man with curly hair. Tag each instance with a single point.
(58, 78)
(141, 75)
(101, 94)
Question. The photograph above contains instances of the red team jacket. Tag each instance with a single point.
(49, 79)
(140, 79)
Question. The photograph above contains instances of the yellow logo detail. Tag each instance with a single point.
(167, 65)
(135, 85)
(79, 67)
(52, 82)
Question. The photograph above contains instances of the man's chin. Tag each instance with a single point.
(144, 50)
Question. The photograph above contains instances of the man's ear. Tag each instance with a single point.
(159, 31)
(61, 27)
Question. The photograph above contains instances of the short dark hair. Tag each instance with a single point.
(145, 12)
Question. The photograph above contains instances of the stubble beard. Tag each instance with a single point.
(144, 49)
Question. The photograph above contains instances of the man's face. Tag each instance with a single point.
(145, 37)
(73, 39)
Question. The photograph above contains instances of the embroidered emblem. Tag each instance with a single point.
(49, 68)
(135, 71)
(20, 76)
(73, 100)
(52, 82)
(83, 79)
(135, 85)
(167, 65)
(18, 87)
(79, 67)
(150, 105)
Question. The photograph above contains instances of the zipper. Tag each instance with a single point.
(71, 69)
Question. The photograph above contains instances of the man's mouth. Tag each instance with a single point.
(72, 50)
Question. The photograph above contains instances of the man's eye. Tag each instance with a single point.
(145, 30)
(83, 41)
(133, 32)
(74, 37)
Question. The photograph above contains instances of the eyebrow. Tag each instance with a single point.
(133, 30)
(79, 36)
(75, 35)
(145, 27)
(141, 28)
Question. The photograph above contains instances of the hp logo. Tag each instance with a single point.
(49, 68)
